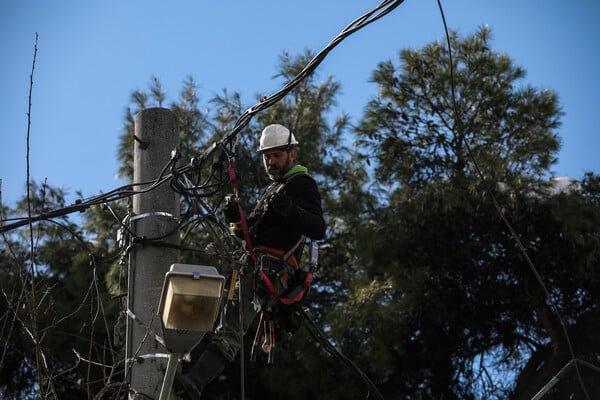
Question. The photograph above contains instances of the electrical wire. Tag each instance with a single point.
(124, 191)
(498, 208)
(320, 337)
(379, 11)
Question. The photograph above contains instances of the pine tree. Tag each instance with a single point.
(453, 308)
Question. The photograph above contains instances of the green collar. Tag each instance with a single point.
(295, 170)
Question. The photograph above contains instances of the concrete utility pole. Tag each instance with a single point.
(155, 215)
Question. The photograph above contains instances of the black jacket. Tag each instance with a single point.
(270, 229)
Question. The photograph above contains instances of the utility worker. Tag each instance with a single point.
(287, 210)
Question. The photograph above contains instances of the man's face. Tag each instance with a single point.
(277, 161)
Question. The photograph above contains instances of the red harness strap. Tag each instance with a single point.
(294, 263)
(234, 184)
(278, 253)
(286, 300)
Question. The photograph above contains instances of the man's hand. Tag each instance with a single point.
(281, 204)
(231, 209)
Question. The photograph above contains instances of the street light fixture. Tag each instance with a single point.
(190, 298)
(189, 305)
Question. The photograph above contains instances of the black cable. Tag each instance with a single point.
(362, 21)
(82, 205)
(320, 337)
(116, 218)
(127, 190)
(498, 208)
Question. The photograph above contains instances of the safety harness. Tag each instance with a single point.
(285, 257)
(266, 325)
(262, 256)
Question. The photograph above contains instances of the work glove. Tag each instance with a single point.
(281, 204)
(231, 209)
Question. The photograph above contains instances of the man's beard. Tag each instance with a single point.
(286, 168)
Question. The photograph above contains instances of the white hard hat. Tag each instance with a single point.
(276, 135)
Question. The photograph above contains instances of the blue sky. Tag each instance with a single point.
(92, 54)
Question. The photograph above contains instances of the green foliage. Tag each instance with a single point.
(449, 146)
(419, 134)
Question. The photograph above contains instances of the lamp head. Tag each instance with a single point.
(189, 304)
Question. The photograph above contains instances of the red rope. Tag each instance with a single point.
(234, 184)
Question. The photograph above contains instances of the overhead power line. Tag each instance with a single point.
(227, 141)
